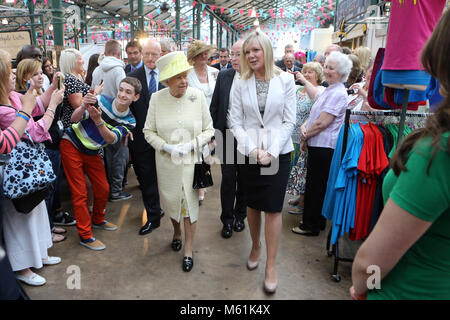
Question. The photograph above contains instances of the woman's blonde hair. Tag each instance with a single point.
(270, 68)
(25, 71)
(5, 73)
(365, 57)
(317, 68)
(68, 60)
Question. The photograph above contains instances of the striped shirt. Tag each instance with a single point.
(8, 140)
(86, 136)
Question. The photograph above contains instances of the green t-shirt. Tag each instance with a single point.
(424, 271)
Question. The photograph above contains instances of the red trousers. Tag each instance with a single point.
(76, 164)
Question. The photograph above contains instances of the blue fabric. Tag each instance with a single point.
(415, 77)
(416, 95)
(152, 83)
(435, 98)
(330, 195)
(346, 185)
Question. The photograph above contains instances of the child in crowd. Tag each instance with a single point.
(99, 121)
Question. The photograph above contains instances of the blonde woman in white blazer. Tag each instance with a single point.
(178, 116)
(262, 117)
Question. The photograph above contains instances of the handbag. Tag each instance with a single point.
(202, 171)
(28, 175)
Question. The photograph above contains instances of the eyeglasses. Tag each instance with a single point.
(154, 55)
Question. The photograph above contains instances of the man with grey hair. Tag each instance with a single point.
(331, 48)
(142, 153)
(289, 48)
(320, 59)
(232, 197)
(165, 47)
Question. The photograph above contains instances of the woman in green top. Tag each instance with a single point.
(411, 242)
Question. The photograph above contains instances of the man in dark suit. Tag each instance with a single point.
(224, 60)
(289, 48)
(290, 67)
(143, 155)
(233, 214)
(134, 55)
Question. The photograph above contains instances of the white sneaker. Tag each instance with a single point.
(51, 261)
(33, 280)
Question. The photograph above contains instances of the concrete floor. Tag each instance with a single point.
(145, 267)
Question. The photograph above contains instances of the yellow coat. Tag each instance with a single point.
(177, 120)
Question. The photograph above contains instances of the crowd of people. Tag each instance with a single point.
(272, 124)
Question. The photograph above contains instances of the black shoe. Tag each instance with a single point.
(239, 225)
(304, 231)
(177, 244)
(148, 227)
(227, 231)
(63, 219)
(188, 264)
(161, 214)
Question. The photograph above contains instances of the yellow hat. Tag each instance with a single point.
(196, 47)
(172, 64)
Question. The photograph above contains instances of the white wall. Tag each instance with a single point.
(320, 39)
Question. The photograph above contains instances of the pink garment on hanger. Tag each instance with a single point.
(410, 26)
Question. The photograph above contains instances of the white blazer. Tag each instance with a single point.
(273, 132)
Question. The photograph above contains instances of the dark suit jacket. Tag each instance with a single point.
(221, 99)
(128, 68)
(139, 108)
(217, 65)
(295, 69)
(280, 64)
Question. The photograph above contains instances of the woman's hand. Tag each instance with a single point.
(54, 84)
(89, 98)
(359, 90)
(300, 78)
(29, 100)
(56, 98)
(303, 133)
(356, 296)
(265, 158)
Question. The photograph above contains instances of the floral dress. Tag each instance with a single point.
(297, 178)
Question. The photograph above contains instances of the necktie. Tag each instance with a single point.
(152, 83)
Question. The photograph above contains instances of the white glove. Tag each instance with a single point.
(169, 148)
(180, 149)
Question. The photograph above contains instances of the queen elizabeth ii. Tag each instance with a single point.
(178, 123)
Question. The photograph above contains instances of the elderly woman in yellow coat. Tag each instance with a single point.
(178, 124)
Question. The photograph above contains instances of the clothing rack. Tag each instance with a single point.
(334, 251)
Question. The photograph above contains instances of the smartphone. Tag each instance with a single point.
(60, 82)
(28, 84)
(350, 91)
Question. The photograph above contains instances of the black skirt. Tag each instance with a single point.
(265, 186)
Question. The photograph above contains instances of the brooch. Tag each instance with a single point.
(193, 98)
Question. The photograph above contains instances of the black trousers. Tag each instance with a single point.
(143, 157)
(319, 161)
(232, 195)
